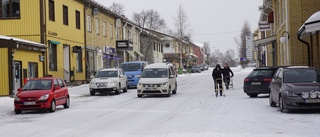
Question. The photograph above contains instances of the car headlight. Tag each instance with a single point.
(291, 94)
(164, 84)
(305, 94)
(113, 82)
(137, 76)
(318, 92)
(92, 82)
(44, 97)
(16, 98)
(140, 84)
(313, 94)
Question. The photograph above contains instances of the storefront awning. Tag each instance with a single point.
(54, 42)
(265, 41)
(193, 55)
(140, 54)
(312, 25)
(131, 53)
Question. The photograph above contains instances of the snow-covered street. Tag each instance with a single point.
(193, 112)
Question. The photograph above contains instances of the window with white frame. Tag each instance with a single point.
(104, 28)
(97, 26)
(89, 25)
(129, 35)
(111, 31)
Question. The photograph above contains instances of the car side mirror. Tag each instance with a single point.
(57, 87)
(92, 77)
(172, 76)
(277, 81)
(19, 89)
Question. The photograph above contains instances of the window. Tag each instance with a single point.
(52, 57)
(97, 26)
(61, 83)
(104, 28)
(55, 83)
(117, 33)
(33, 70)
(89, 25)
(79, 61)
(10, 8)
(78, 19)
(154, 45)
(167, 45)
(111, 31)
(65, 15)
(51, 10)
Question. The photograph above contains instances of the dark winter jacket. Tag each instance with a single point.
(226, 71)
(217, 73)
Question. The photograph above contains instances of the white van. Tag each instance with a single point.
(157, 79)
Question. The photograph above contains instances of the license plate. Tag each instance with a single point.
(29, 103)
(312, 100)
(255, 83)
(151, 89)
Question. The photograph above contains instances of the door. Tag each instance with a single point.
(17, 76)
(66, 62)
(172, 80)
(32, 70)
(123, 79)
(63, 92)
(57, 93)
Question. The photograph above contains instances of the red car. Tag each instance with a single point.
(42, 93)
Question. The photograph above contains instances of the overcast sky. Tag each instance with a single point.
(216, 21)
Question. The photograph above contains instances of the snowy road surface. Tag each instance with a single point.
(193, 112)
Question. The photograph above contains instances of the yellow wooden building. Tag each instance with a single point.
(281, 45)
(58, 24)
(20, 60)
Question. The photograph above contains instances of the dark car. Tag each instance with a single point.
(296, 87)
(258, 81)
(42, 93)
(195, 69)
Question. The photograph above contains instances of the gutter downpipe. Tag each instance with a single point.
(308, 45)
(287, 43)
(123, 38)
(139, 41)
(85, 39)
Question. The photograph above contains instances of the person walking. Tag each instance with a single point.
(226, 75)
(217, 78)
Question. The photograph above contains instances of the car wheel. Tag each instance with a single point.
(67, 104)
(92, 93)
(125, 89)
(17, 111)
(118, 90)
(271, 102)
(169, 92)
(53, 106)
(281, 105)
(140, 96)
(252, 95)
(175, 89)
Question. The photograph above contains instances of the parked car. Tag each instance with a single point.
(157, 79)
(201, 66)
(108, 80)
(42, 93)
(296, 87)
(195, 69)
(133, 71)
(258, 81)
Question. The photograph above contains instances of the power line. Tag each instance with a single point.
(218, 33)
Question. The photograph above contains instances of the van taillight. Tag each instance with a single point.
(267, 79)
(246, 80)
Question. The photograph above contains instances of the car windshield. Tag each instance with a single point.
(107, 74)
(40, 84)
(301, 76)
(262, 73)
(154, 73)
(130, 67)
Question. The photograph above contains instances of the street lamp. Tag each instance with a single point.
(283, 38)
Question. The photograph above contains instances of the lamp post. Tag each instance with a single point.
(285, 36)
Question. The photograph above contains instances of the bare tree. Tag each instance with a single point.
(182, 27)
(242, 42)
(117, 8)
(229, 57)
(152, 21)
(207, 50)
(149, 19)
